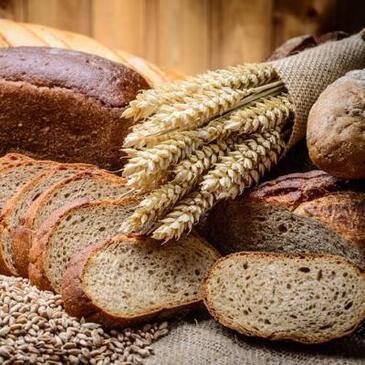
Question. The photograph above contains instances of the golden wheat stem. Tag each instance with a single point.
(245, 76)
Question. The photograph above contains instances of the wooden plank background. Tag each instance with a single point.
(192, 35)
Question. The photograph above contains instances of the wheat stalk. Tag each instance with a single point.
(237, 171)
(246, 76)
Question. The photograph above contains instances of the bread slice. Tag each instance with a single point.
(305, 212)
(308, 298)
(16, 175)
(69, 233)
(85, 186)
(16, 206)
(128, 280)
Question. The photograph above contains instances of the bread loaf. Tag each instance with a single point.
(128, 280)
(336, 127)
(305, 298)
(65, 105)
(303, 212)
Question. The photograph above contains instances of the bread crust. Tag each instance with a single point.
(17, 234)
(57, 99)
(39, 249)
(26, 233)
(78, 303)
(275, 337)
(336, 124)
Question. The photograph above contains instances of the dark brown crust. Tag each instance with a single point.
(78, 303)
(336, 125)
(26, 233)
(112, 84)
(69, 110)
(231, 324)
(39, 248)
(294, 189)
(18, 235)
(293, 46)
(344, 212)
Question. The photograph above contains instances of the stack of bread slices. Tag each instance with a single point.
(60, 228)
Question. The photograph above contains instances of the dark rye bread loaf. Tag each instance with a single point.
(303, 212)
(65, 105)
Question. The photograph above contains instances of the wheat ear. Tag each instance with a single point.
(188, 174)
(245, 76)
(244, 166)
(237, 171)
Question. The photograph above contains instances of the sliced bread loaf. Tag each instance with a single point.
(308, 298)
(128, 280)
(15, 207)
(13, 157)
(304, 212)
(71, 232)
(85, 186)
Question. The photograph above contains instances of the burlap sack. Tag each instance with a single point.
(308, 73)
(205, 342)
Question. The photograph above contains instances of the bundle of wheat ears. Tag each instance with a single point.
(201, 140)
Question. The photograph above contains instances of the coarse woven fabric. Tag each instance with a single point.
(309, 72)
(205, 342)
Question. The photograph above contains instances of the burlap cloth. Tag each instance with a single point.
(308, 73)
(205, 342)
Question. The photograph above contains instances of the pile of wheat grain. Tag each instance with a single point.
(34, 329)
(201, 140)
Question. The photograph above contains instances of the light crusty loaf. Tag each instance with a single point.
(71, 232)
(306, 298)
(336, 125)
(65, 105)
(16, 206)
(85, 186)
(14, 34)
(304, 212)
(125, 281)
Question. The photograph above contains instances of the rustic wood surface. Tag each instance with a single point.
(192, 35)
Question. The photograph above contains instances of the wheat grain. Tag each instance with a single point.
(34, 329)
(182, 218)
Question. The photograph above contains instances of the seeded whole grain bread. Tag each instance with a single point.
(71, 232)
(301, 212)
(307, 298)
(336, 127)
(65, 105)
(85, 186)
(128, 280)
(16, 206)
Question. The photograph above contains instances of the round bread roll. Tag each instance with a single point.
(336, 127)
